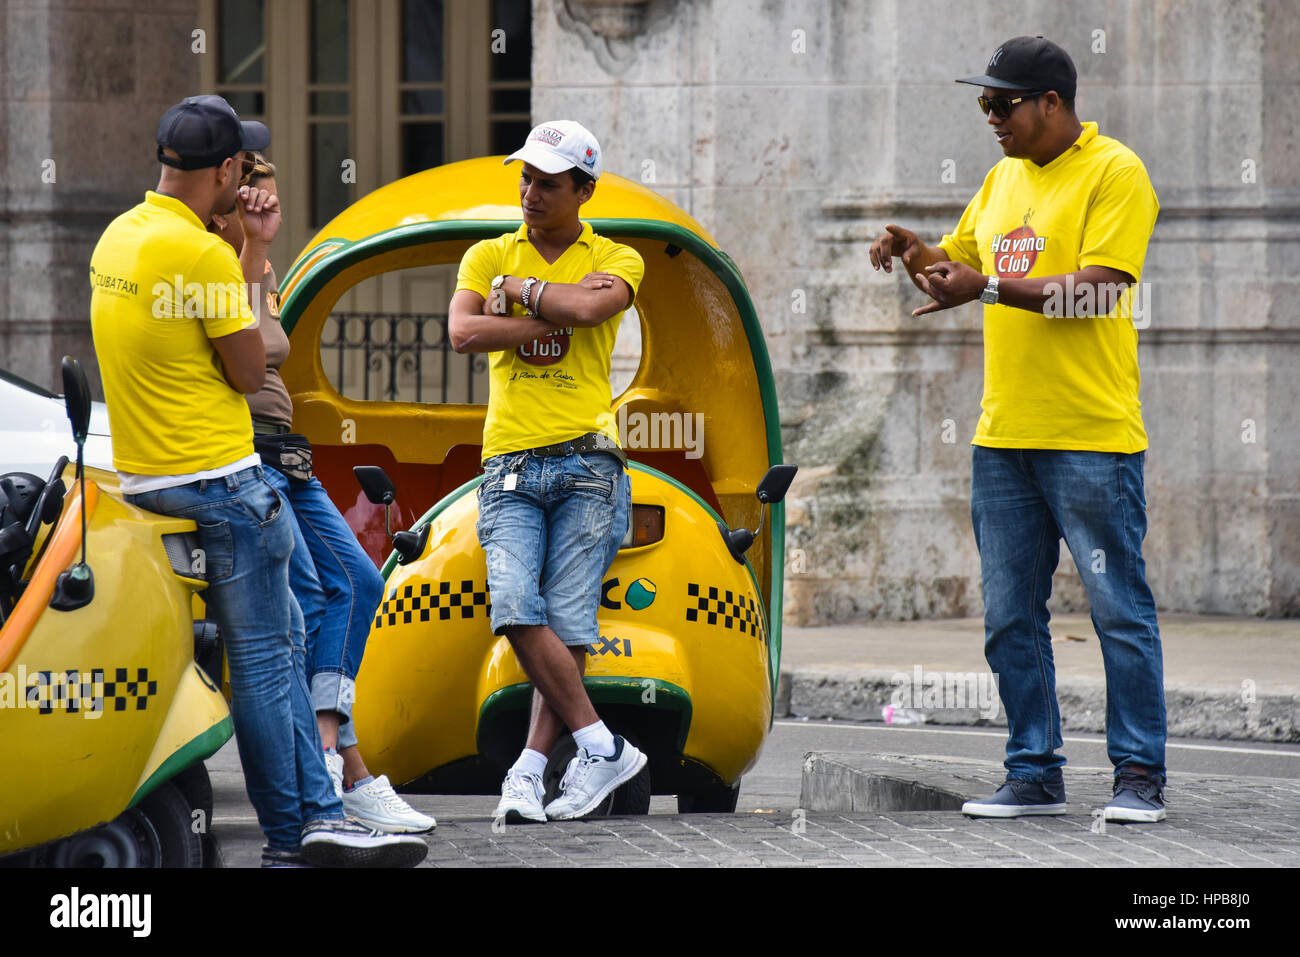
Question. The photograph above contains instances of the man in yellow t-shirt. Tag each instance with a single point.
(178, 348)
(545, 302)
(1053, 245)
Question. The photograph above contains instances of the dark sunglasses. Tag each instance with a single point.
(1003, 105)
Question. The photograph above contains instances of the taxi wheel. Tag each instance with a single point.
(168, 813)
(126, 841)
(196, 787)
(711, 800)
(630, 798)
(154, 833)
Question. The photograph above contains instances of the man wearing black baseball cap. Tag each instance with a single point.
(179, 347)
(201, 132)
(1053, 245)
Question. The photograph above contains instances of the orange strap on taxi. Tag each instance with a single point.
(59, 555)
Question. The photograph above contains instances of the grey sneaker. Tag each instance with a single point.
(379, 806)
(591, 777)
(1139, 797)
(1017, 798)
(346, 842)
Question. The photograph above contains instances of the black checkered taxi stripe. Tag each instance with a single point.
(431, 601)
(75, 691)
(718, 606)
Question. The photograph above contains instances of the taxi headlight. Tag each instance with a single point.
(646, 526)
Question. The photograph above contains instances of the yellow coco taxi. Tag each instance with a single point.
(105, 715)
(690, 618)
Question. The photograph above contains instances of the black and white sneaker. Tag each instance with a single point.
(275, 857)
(346, 842)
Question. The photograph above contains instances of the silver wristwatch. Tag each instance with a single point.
(524, 290)
(990, 294)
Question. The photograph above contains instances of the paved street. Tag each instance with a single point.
(1230, 805)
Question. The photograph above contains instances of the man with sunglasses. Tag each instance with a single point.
(1052, 245)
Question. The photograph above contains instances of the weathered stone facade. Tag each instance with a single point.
(795, 130)
(81, 88)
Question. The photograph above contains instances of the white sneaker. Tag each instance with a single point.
(591, 777)
(379, 806)
(334, 764)
(521, 799)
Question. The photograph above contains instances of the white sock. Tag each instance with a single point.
(595, 738)
(530, 762)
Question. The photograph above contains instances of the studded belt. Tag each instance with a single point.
(591, 442)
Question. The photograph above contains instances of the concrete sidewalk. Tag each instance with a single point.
(856, 810)
(1214, 820)
(1224, 677)
(890, 810)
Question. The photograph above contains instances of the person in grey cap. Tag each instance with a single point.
(1053, 246)
(178, 347)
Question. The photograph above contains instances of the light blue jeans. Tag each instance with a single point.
(550, 534)
(1023, 501)
(338, 588)
(246, 533)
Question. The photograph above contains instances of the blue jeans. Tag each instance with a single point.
(245, 532)
(1022, 503)
(550, 534)
(338, 588)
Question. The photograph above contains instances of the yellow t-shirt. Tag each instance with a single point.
(1060, 382)
(161, 287)
(557, 388)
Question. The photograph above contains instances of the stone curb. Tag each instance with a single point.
(858, 782)
(857, 694)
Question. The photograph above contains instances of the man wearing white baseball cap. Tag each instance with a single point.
(545, 302)
(561, 145)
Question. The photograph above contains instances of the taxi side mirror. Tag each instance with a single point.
(379, 489)
(376, 484)
(770, 490)
(776, 483)
(75, 587)
(76, 398)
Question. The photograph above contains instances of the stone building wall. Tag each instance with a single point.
(81, 88)
(794, 130)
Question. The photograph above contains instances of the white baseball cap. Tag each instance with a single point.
(559, 145)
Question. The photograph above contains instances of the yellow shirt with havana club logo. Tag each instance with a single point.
(1061, 381)
(556, 388)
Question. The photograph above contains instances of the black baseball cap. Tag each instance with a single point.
(205, 131)
(1029, 63)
